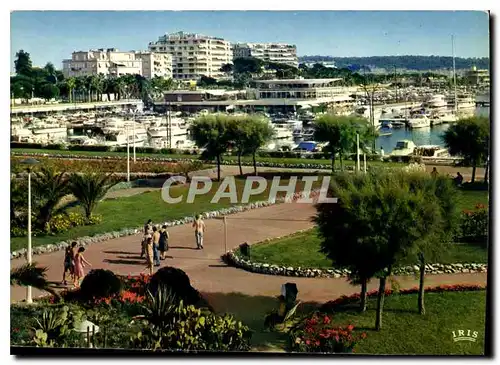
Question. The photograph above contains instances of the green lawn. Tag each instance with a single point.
(302, 250)
(135, 210)
(248, 159)
(405, 331)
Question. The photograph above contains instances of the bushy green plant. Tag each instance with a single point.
(190, 328)
(177, 282)
(100, 283)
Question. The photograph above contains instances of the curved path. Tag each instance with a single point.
(212, 277)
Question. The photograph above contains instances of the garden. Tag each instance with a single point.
(91, 214)
(165, 312)
(303, 249)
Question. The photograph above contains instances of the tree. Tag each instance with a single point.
(206, 81)
(374, 225)
(49, 91)
(97, 84)
(23, 64)
(239, 133)
(440, 228)
(49, 187)
(32, 275)
(211, 132)
(227, 68)
(71, 84)
(89, 189)
(469, 138)
(250, 65)
(259, 132)
(340, 133)
(51, 73)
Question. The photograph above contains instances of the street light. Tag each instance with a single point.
(128, 155)
(29, 162)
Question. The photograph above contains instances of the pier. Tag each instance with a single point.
(52, 108)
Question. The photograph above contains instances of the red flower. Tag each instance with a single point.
(317, 343)
(308, 342)
(326, 320)
(363, 335)
(350, 327)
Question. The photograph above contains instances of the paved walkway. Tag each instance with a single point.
(212, 277)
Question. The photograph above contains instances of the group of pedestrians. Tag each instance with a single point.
(154, 244)
(458, 180)
(74, 262)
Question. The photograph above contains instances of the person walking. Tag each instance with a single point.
(382, 153)
(163, 244)
(156, 242)
(148, 249)
(148, 230)
(434, 172)
(69, 262)
(80, 263)
(199, 230)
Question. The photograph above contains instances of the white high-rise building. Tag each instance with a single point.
(271, 52)
(155, 64)
(111, 62)
(194, 55)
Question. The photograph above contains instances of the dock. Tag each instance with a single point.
(52, 108)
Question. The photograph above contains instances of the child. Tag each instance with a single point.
(80, 263)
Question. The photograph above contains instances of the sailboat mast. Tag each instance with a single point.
(454, 71)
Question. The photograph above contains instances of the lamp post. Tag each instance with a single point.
(29, 162)
(128, 156)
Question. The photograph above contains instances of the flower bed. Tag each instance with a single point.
(474, 227)
(234, 259)
(354, 298)
(318, 331)
(187, 159)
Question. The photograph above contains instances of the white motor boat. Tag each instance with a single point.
(403, 147)
(419, 121)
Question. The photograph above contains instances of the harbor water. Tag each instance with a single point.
(420, 136)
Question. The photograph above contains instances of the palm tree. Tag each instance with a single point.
(32, 275)
(49, 188)
(89, 189)
(71, 82)
(97, 84)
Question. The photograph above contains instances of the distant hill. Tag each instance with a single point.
(417, 63)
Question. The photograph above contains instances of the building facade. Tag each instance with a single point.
(194, 55)
(155, 64)
(270, 52)
(112, 62)
(478, 77)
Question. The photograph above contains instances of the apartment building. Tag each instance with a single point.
(112, 62)
(194, 55)
(155, 64)
(270, 52)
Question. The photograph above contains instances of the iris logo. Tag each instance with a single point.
(462, 335)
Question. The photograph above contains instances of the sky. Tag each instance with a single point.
(51, 36)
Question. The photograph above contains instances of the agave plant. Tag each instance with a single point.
(89, 189)
(160, 307)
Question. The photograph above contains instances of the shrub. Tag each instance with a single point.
(318, 334)
(177, 282)
(474, 226)
(189, 328)
(100, 283)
